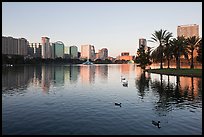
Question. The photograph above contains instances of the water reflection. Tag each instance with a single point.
(176, 95)
(142, 83)
(16, 78)
(44, 76)
(175, 101)
(87, 73)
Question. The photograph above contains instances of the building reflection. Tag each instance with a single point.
(176, 94)
(87, 74)
(58, 75)
(186, 81)
(37, 75)
(102, 71)
(17, 77)
(46, 78)
(125, 69)
(74, 73)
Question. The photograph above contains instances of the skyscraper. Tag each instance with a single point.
(87, 52)
(57, 50)
(103, 53)
(46, 49)
(14, 46)
(73, 51)
(142, 41)
(188, 30)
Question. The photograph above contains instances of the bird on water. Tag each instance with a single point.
(118, 104)
(156, 123)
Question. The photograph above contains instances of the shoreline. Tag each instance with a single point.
(177, 72)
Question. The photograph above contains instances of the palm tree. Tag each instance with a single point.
(167, 49)
(159, 37)
(178, 49)
(199, 51)
(192, 43)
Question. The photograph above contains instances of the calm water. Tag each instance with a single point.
(81, 100)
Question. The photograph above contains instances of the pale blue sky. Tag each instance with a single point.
(116, 26)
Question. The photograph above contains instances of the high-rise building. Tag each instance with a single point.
(103, 53)
(23, 46)
(14, 46)
(66, 50)
(73, 51)
(46, 48)
(143, 42)
(58, 50)
(38, 50)
(87, 52)
(31, 50)
(188, 30)
(93, 56)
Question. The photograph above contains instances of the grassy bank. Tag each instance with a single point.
(177, 72)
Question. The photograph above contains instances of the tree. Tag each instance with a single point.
(143, 57)
(159, 37)
(179, 48)
(199, 51)
(167, 49)
(192, 43)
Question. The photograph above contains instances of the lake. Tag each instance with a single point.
(80, 100)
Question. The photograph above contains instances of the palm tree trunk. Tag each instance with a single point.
(161, 65)
(192, 66)
(168, 62)
(178, 62)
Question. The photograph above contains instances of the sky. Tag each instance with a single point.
(116, 26)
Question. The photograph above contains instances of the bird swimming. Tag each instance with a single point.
(118, 104)
(125, 84)
(122, 78)
(156, 123)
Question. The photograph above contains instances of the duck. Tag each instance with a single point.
(125, 84)
(122, 78)
(156, 123)
(118, 104)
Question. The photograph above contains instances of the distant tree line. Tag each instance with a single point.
(19, 59)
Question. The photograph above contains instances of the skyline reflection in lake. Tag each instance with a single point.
(79, 99)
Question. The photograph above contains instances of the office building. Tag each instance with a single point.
(188, 30)
(46, 48)
(57, 50)
(73, 51)
(125, 56)
(14, 46)
(103, 54)
(87, 52)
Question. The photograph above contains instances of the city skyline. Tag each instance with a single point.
(116, 26)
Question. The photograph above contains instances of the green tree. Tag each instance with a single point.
(179, 48)
(143, 57)
(159, 37)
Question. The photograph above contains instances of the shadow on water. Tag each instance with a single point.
(176, 95)
(142, 83)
